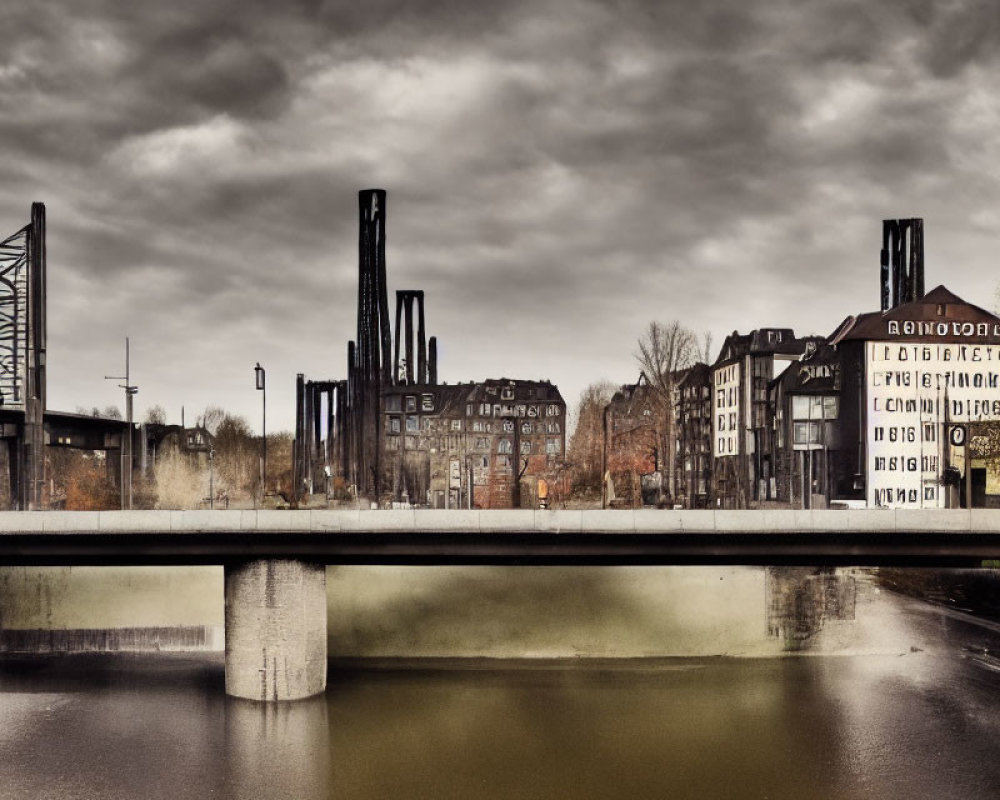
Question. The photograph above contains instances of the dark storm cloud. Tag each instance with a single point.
(559, 172)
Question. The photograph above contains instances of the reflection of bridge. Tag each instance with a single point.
(275, 585)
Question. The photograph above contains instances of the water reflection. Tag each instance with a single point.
(800, 600)
(277, 750)
(910, 712)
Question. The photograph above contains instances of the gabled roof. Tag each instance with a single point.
(940, 307)
(763, 341)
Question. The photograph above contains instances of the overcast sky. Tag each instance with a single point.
(559, 174)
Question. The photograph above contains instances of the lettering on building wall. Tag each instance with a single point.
(931, 328)
(913, 391)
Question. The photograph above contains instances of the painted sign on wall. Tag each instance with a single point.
(913, 392)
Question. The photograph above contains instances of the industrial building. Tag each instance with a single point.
(393, 434)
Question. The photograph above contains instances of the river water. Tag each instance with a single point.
(900, 701)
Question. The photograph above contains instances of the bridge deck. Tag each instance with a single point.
(846, 538)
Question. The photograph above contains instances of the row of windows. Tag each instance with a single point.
(507, 392)
(452, 444)
(814, 407)
(408, 403)
(415, 424)
(505, 410)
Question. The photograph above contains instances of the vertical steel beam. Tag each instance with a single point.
(33, 476)
(421, 340)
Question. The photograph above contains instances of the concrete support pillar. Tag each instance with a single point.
(275, 630)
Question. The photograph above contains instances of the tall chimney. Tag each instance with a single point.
(902, 262)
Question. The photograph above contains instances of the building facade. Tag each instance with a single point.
(742, 426)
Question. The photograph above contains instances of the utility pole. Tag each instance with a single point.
(126, 468)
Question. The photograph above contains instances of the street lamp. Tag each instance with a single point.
(259, 378)
(126, 445)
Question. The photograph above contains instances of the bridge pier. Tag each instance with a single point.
(275, 629)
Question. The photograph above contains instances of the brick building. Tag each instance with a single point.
(393, 434)
(633, 443)
(693, 423)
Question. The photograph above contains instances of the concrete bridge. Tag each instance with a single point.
(275, 580)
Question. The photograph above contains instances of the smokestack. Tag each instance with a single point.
(415, 372)
(373, 300)
(421, 343)
(432, 361)
(902, 262)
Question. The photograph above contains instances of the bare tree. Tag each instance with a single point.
(156, 415)
(585, 445)
(665, 349)
(212, 418)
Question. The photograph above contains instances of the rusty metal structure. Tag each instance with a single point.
(22, 357)
(339, 427)
(390, 434)
(26, 426)
(902, 262)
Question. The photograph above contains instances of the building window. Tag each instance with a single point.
(503, 461)
(526, 427)
(456, 424)
(412, 424)
(508, 426)
(392, 425)
(484, 409)
(552, 446)
(507, 393)
(532, 411)
(411, 402)
(814, 407)
(552, 411)
(426, 402)
(505, 446)
(392, 403)
(468, 409)
(482, 443)
(806, 433)
(552, 427)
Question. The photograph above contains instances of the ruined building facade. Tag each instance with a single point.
(391, 433)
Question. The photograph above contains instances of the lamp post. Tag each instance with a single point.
(126, 445)
(211, 478)
(259, 378)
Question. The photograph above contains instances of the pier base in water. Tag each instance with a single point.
(275, 630)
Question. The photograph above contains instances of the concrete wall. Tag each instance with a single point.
(429, 611)
(511, 612)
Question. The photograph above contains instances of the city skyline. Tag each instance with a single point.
(558, 175)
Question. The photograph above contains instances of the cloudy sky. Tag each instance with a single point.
(559, 174)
